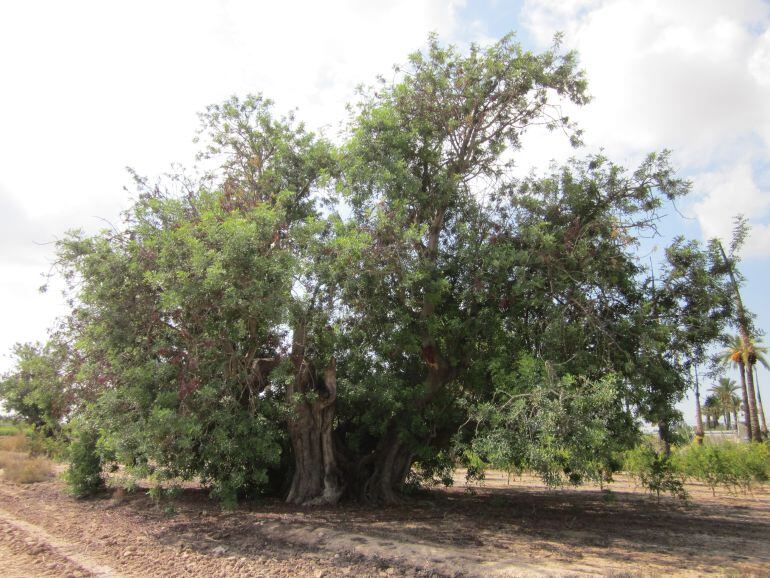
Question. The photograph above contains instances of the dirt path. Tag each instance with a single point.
(35, 551)
(43, 532)
(195, 546)
(498, 529)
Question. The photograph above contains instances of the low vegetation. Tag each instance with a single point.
(24, 469)
(731, 466)
(9, 429)
(655, 471)
(18, 442)
(18, 465)
(84, 476)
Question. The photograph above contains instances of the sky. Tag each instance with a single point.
(88, 88)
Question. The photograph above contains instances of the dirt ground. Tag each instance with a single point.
(497, 529)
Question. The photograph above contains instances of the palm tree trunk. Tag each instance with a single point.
(759, 402)
(745, 396)
(756, 433)
(698, 414)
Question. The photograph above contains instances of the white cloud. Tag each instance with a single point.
(96, 86)
(727, 195)
(90, 87)
(693, 76)
(759, 63)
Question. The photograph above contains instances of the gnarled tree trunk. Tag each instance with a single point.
(394, 457)
(392, 463)
(316, 479)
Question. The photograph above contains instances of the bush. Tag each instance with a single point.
(22, 469)
(39, 443)
(757, 461)
(84, 476)
(730, 465)
(654, 471)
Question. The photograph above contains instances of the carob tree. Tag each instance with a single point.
(326, 320)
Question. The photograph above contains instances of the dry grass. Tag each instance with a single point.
(14, 443)
(23, 469)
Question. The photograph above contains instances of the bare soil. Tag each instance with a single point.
(495, 529)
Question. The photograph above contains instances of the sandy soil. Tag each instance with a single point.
(496, 529)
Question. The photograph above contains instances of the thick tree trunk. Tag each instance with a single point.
(392, 461)
(664, 434)
(316, 479)
(392, 464)
(394, 456)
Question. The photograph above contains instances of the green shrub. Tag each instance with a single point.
(757, 461)
(730, 465)
(84, 475)
(41, 443)
(654, 471)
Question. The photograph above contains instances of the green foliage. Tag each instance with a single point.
(204, 325)
(53, 447)
(682, 433)
(568, 430)
(654, 471)
(40, 390)
(729, 465)
(84, 475)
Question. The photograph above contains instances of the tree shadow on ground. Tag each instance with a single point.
(529, 523)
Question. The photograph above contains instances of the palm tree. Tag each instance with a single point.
(733, 355)
(743, 328)
(712, 410)
(725, 391)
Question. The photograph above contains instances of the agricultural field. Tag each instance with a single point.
(501, 527)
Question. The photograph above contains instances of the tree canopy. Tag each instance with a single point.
(324, 319)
